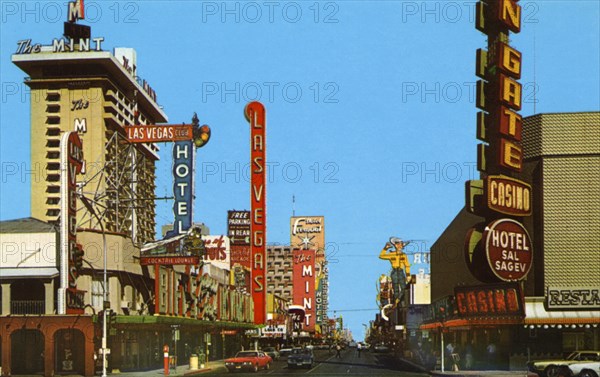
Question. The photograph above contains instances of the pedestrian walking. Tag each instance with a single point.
(358, 348)
(338, 348)
(469, 359)
(491, 355)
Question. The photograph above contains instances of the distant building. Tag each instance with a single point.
(280, 272)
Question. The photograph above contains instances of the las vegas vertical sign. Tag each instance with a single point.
(255, 114)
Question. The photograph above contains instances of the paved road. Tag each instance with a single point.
(326, 364)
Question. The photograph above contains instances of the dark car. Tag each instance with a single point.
(285, 351)
(301, 357)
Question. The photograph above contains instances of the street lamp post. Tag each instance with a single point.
(91, 209)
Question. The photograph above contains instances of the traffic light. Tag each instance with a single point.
(201, 135)
(100, 318)
(111, 318)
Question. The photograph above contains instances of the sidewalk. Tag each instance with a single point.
(182, 370)
(482, 373)
(471, 373)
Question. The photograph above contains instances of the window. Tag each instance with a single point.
(97, 293)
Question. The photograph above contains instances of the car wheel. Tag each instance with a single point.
(551, 371)
(588, 373)
(255, 369)
(268, 366)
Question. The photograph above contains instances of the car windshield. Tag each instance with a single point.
(247, 354)
(297, 350)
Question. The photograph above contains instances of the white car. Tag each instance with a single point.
(589, 368)
(551, 368)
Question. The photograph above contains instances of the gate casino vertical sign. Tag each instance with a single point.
(499, 126)
(255, 114)
(499, 93)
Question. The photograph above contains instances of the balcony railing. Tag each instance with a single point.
(27, 307)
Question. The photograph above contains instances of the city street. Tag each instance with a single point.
(369, 364)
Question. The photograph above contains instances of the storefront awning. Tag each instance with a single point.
(20, 272)
(469, 323)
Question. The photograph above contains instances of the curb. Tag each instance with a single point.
(197, 371)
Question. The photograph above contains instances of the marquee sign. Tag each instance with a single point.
(72, 162)
(256, 115)
(496, 300)
(508, 249)
(186, 249)
(297, 315)
(217, 251)
(238, 227)
(572, 298)
(159, 133)
(508, 195)
(491, 256)
(498, 93)
(307, 232)
(304, 285)
(183, 185)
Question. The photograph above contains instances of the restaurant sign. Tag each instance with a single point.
(572, 298)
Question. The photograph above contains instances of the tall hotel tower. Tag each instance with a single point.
(76, 85)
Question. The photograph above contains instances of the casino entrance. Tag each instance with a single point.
(27, 349)
(47, 345)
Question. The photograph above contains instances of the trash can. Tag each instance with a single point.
(194, 362)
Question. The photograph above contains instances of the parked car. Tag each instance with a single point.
(285, 351)
(551, 368)
(271, 351)
(301, 357)
(589, 368)
(249, 360)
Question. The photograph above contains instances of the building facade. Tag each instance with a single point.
(561, 159)
(280, 272)
(78, 86)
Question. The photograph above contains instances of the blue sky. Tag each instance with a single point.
(370, 108)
